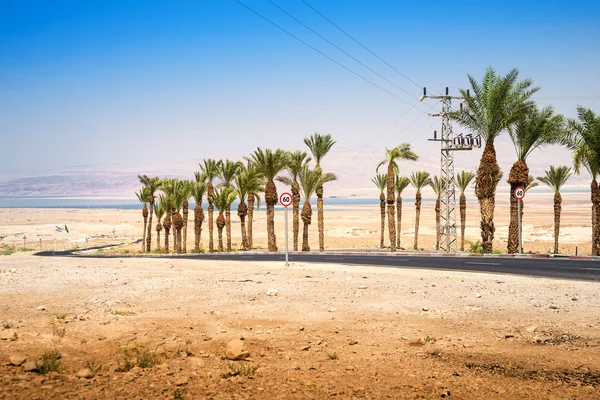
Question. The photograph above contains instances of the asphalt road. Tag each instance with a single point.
(588, 270)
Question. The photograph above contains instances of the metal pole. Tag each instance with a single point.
(519, 226)
(286, 236)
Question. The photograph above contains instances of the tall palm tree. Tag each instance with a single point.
(380, 181)
(463, 179)
(153, 185)
(419, 180)
(210, 170)
(296, 161)
(400, 152)
(401, 183)
(269, 163)
(536, 129)
(159, 210)
(165, 202)
(144, 197)
(556, 178)
(187, 188)
(198, 190)
(176, 194)
(222, 199)
(310, 180)
(496, 103)
(585, 142)
(437, 184)
(227, 172)
(247, 180)
(319, 146)
(253, 197)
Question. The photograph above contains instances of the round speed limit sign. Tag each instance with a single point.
(285, 199)
(519, 192)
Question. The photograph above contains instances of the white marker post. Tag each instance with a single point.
(285, 199)
(519, 193)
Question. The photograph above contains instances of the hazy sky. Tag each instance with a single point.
(153, 84)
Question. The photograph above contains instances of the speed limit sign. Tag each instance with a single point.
(285, 199)
(519, 192)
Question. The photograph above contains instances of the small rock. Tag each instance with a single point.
(16, 360)
(332, 309)
(305, 348)
(363, 287)
(301, 329)
(236, 350)
(85, 373)
(425, 309)
(352, 342)
(574, 299)
(553, 308)
(403, 338)
(182, 381)
(41, 308)
(531, 328)
(30, 366)
(272, 292)
(8, 334)
(478, 295)
(508, 336)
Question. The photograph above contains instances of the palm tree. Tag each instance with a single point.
(144, 197)
(198, 190)
(401, 152)
(210, 170)
(187, 188)
(227, 173)
(401, 183)
(496, 103)
(296, 161)
(319, 146)
(437, 184)
(310, 180)
(418, 180)
(536, 129)
(165, 202)
(584, 140)
(247, 180)
(176, 194)
(222, 200)
(463, 179)
(269, 163)
(159, 210)
(380, 181)
(153, 185)
(556, 178)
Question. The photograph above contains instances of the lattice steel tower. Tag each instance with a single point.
(449, 143)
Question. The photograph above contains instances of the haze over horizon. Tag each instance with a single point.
(150, 87)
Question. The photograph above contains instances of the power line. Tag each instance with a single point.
(360, 44)
(342, 50)
(323, 54)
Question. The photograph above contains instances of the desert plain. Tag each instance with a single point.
(132, 327)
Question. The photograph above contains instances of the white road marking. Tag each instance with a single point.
(482, 263)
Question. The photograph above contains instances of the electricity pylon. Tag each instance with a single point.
(449, 144)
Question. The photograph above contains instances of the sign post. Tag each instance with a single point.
(519, 193)
(285, 199)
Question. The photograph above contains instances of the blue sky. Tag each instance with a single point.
(151, 85)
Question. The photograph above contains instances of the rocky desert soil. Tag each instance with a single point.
(125, 328)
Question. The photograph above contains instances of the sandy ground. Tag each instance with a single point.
(345, 227)
(328, 331)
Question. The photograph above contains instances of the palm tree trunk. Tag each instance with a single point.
(390, 207)
(417, 217)
(158, 240)
(167, 240)
(382, 211)
(186, 206)
(220, 225)
(437, 222)
(595, 218)
(518, 176)
(320, 218)
(242, 211)
(145, 216)
(463, 220)
(228, 227)
(296, 211)
(271, 200)
(197, 228)
(250, 218)
(399, 216)
(167, 226)
(557, 210)
(211, 208)
(485, 188)
(306, 219)
(149, 236)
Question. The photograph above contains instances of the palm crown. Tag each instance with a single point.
(311, 179)
(380, 180)
(420, 179)
(402, 152)
(402, 183)
(537, 128)
(319, 146)
(556, 177)
(269, 162)
(463, 179)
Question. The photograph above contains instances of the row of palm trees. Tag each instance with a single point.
(495, 105)
(226, 181)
